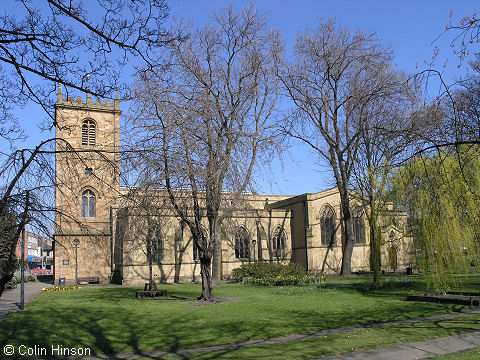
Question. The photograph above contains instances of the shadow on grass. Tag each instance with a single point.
(90, 330)
(112, 320)
(363, 284)
(123, 293)
(396, 285)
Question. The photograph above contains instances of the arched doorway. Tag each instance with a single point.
(392, 258)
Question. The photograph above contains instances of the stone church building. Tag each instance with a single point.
(118, 236)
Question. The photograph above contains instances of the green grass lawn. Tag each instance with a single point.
(112, 320)
(469, 355)
(350, 341)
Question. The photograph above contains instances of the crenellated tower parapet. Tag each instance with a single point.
(88, 104)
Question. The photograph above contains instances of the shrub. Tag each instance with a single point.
(286, 280)
(17, 279)
(30, 278)
(267, 270)
(293, 269)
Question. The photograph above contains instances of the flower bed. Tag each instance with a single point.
(281, 280)
(62, 288)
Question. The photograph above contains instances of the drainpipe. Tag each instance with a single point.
(305, 227)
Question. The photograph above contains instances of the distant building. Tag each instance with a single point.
(93, 208)
(38, 251)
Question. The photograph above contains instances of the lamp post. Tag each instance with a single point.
(22, 273)
(254, 243)
(76, 242)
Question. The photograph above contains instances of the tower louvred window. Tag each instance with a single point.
(88, 132)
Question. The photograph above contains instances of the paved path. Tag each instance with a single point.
(417, 350)
(10, 299)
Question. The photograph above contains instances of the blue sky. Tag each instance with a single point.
(410, 27)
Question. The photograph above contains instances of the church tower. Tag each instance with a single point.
(87, 185)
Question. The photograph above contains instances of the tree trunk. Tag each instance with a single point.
(348, 250)
(342, 178)
(375, 253)
(150, 250)
(207, 288)
(217, 257)
(348, 246)
(150, 272)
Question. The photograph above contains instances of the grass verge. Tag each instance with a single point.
(468, 355)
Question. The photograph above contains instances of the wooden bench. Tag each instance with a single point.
(150, 290)
(89, 280)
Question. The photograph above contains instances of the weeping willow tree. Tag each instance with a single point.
(442, 196)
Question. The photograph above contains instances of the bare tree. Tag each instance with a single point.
(333, 78)
(387, 131)
(143, 222)
(204, 121)
(26, 199)
(466, 34)
(49, 42)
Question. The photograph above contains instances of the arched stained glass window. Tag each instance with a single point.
(155, 246)
(196, 249)
(88, 132)
(88, 204)
(242, 244)
(327, 226)
(359, 227)
(279, 240)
